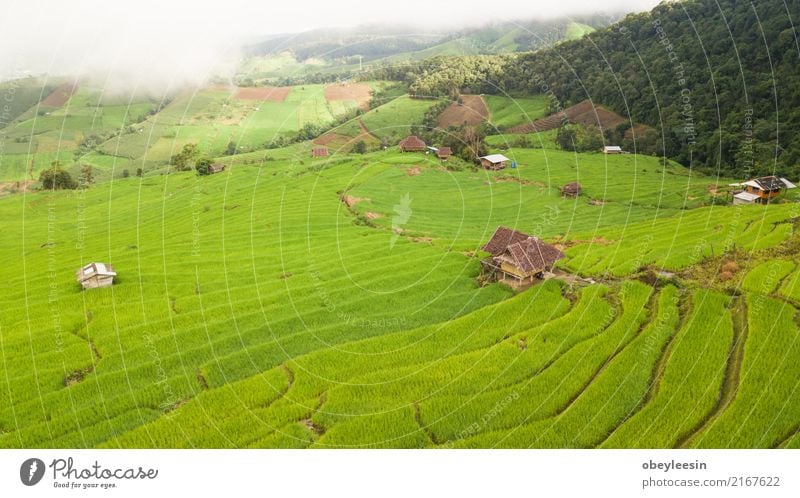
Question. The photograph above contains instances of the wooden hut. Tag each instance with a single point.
(572, 189)
(412, 143)
(494, 161)
(319, 152)
(95, 275)
(516, 258)
(761, 190)
(216, 168)
(444, 153)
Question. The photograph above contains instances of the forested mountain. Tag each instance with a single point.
(415, 43)
(719, 81)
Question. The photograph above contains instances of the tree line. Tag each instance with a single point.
(718, 81)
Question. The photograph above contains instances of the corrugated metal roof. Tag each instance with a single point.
(746, 196)
(496, 158)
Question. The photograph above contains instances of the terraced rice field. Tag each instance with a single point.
(335, 302)
(256, 309)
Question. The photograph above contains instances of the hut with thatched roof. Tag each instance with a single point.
(516, 258)
(572, 189)
(412, 143)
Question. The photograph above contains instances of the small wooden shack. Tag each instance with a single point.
(761, 190)
(319, 152)
(517, 259)
(612, 149)
(494, 161)
(444, 153)
(572, 189)
(216, 168)
(412, 143)
(95, 275)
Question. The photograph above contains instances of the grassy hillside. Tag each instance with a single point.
(507, 112)
(255, 308)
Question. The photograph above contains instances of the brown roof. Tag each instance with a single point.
(319, 152)
(532, 255)
(571, 188)
(502, 238)
(412, 142)
(444, 151)
(523, 251)
(216, 168)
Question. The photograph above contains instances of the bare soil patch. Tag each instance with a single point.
(265, 93)
(373, 216)
(15, 187)
(351, 201)
(584, 113)
(413, 171)
(60, 95)
(359, 92)
(472, 112)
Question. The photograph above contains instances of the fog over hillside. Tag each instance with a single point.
(155, 45)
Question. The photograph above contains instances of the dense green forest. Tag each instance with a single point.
(718, 81)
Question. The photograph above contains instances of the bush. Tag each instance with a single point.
(55, 178)
(203, 166)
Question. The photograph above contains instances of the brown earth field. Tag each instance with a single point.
(584, 113)
(359, 92)
(264, 93)
(472, 112)
(60, 95)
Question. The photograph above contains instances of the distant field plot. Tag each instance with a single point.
(105, 162)
(352, 93)
(507, 112)
(20, 96)
(190, 106)
(60, 95)
(263, 93)
(470, 110)
(392, 120)
(14, 167)
(135, 143)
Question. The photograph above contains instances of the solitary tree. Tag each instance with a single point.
(55, 178)
(183, 160)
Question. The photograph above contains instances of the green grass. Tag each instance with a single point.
(507, 112)
(610, 397)
(577, 30)
(255, 309)
(766, 407)
(392, 120)
(767, 276)
(686, 391)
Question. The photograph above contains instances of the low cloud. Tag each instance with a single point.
(155, 45)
